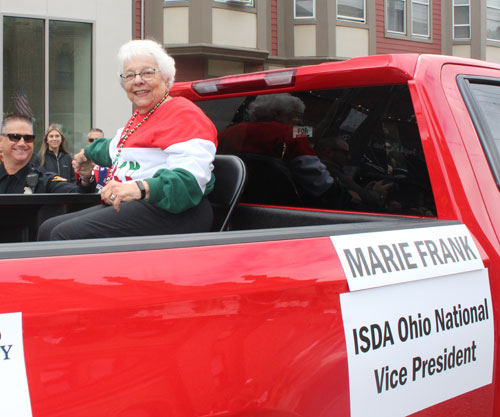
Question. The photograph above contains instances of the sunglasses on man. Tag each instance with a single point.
(16, 137)
(91, 140)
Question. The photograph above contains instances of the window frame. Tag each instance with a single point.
(350, 18)
(405, 19)
(454, 25)
(408, 21)
(426, 3)
(304, 17)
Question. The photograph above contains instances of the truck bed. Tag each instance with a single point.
(249, 224)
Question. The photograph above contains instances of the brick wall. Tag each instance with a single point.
(138, 19)
(274, 27)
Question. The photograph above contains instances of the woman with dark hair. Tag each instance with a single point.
(53, 155)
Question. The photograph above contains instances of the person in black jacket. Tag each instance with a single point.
(53, 155)
(18, 175)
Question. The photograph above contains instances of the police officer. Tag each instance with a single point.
(18, 175)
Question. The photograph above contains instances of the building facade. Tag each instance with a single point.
(58, 57)
(59, 64)
(211, 38)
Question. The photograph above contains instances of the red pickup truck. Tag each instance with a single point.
(358, 275)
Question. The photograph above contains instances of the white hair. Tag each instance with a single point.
(270, 107)
(148, 48)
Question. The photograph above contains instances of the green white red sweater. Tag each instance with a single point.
(173, 151)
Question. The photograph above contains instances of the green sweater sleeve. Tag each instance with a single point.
(98, 152)
(179, 183)
(164, 183)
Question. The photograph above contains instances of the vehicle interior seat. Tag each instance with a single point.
(269, 181)
(230, 179)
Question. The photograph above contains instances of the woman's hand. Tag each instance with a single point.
(116, 192)
(82, 165)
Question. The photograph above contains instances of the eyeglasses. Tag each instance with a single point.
(147, 75)
(16, 137)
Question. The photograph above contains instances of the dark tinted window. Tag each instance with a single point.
(488, 98)
(349, 149)
(482, 96)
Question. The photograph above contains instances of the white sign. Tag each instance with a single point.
(384, 258)
(302, 131)
(14, 395)
(413, 345)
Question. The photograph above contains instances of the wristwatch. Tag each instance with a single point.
(140, 184)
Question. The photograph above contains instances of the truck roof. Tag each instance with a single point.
(369, 70)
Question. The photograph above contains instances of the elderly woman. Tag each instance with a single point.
(160, 163)
(53, 155)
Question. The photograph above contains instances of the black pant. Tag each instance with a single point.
(135, 218)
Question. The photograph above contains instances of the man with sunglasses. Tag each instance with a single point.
(100, 173)
(18, 175)
(95, 133)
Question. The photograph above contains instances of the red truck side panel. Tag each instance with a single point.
(462, 181)
(216, 330)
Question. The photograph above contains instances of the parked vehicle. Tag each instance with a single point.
(357, 275)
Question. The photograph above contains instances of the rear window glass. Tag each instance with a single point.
(355, 149)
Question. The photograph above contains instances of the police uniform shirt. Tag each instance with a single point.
(48, 182)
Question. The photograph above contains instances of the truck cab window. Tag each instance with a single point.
(353, 149)
(482, 96)
(488, 99)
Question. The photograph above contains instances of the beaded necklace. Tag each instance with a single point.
(128, 132)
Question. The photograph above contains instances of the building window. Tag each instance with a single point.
(351, 10)
(68, 75)
(24, 70)
(420, 18)
(396, 16)
(493, 20)
(410, 18)
(461, 19)
(304, 9)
